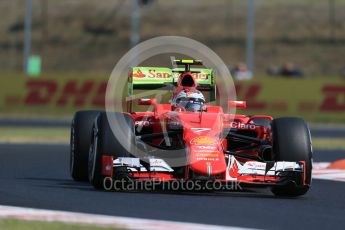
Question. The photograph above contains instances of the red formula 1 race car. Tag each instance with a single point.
(188, 139)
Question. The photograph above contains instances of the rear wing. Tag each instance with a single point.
(156, 77)
(152, 78)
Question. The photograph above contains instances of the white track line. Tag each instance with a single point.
(101, 220)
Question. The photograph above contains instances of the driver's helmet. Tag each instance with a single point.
(191, 100)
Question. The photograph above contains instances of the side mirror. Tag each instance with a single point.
(237, 104)
(147, 101)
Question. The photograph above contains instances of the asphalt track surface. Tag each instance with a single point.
(316, 131)
(37, 176)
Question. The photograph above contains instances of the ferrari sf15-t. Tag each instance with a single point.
(168, 143)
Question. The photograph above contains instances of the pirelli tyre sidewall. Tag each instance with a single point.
(80, 143)
(104, 142)
(292, 142)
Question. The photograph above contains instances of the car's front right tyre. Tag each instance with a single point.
(81, 129)
(104, 142)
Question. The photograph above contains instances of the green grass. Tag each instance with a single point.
(34, 135)
(329, 143)
(12, 224)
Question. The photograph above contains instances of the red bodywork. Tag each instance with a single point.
(205, 149)
(206, 141)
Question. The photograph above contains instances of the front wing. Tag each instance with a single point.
(250, 172)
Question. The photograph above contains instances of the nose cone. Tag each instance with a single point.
(206, 156)
(201, 132)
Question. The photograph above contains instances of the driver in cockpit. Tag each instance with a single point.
(190, 100)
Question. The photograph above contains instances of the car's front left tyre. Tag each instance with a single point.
(292, 142)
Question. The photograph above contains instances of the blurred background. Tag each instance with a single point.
(286, 56)
(91, 35)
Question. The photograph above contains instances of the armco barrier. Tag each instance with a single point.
(315, 100)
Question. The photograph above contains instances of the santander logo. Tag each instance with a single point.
(152, 73)
(138, 74)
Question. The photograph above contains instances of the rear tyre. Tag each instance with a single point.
(104, 142)
(80, 143)
(262, 121)
(292, 142)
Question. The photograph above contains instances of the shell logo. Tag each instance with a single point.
(204, 140)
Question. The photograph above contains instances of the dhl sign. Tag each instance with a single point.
(60, 93)
(284, 97)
